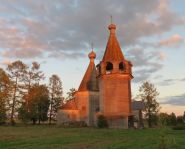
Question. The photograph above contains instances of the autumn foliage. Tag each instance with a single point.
(23, 94)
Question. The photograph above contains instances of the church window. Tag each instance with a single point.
(109, 67)
(121, 66)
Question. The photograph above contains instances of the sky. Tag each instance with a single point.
(58, 34)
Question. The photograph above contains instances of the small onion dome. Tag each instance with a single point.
(112, 26)
(92, 55)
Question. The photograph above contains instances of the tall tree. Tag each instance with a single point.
(172, 119)
(4, 94)
(38, 97)
(56, 95)
(163, 119)
(33, 76)
(148, 94)
(16, 71)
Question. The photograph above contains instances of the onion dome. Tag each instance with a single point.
(92, 55)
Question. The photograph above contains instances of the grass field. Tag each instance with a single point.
(52, 137)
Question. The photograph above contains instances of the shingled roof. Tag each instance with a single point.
(113, 51)
(137, 105)
(69, 105)
(89, 81)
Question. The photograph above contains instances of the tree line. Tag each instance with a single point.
(148, 94)
(23, 94)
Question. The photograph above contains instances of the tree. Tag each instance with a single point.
(56, 92)
(32, 77)
(4, 94)
(70, 94)
(184, 117)
(23, 114)
(102, 121)
(163, 119)
(148, 94)
(16, 71)
(38, 97)
(172, 119)
(180, 120)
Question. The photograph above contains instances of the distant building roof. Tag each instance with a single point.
(137, 105)
(69, 105)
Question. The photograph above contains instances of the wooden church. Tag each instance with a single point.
(104, 90)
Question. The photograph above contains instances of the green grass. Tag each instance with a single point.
(52, 137)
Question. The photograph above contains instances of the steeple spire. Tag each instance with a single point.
(92, 46)
(111, 19)
(113, 51)
(92, 54)
(89, 81)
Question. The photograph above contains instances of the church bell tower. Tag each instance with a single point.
(114, 77)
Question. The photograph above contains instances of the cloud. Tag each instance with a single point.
(66, 55)
(174, 100)
(162, 56)
(22, 53)
(170, 81)
(174, 40)
(183, 79)
(145, 63)
(70, 25)
(167, 82)
(5, 62)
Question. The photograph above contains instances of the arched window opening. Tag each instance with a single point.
(121, 66)
(109, 66)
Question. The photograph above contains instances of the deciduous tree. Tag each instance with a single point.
(148, 94)
(16, 71)
(4, 94)
(32, 76)
(56, 95)
(38, 97)
(172, 119)
(70, 94)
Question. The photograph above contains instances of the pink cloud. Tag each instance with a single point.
(5, 62)
(162, 56)
(22, 53)
(172, 41)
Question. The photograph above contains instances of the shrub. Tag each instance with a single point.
(74, 124)
(179, 127)
(102, 122)
(180, 120)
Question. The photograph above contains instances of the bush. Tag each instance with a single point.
(180, 120)
(74, 124)
(102, 122)
(179, 127)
